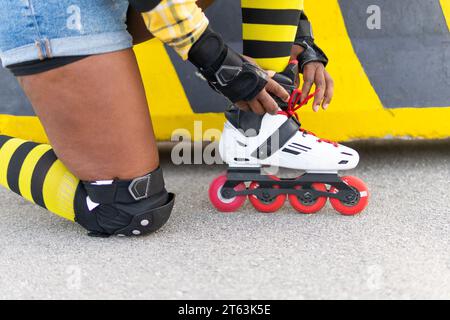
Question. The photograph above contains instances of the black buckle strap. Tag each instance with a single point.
(227, 74)
(125, 191)
(311, 53)
(277, 139)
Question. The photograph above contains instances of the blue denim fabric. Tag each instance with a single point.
(40, 29)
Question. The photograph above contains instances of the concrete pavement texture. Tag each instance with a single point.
(399, 248)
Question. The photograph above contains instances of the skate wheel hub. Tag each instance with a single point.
(224, 195)
(266, 195)
(263, 200)
(306, 202)
(308, 196)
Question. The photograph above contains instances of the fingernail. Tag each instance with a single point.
(316, 108)
(325, 106)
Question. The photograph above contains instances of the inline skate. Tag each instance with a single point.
(250, 142)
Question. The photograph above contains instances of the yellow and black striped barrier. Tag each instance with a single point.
(391, 68)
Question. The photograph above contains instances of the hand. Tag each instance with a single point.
(263, 102)
(315, 73)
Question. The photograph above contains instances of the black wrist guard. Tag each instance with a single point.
(312, 53)
(226, 71)
(305, 39)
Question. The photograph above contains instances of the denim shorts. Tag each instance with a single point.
(39, 29)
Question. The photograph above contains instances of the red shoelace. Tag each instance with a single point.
(294, 104)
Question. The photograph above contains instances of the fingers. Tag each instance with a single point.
(315, 73)
(276, 89)
(261, 104)
(329, 91)
(319, 80)
(267, 102)
(309, 72)
(243, 105)
(271, 73)
(256, 107)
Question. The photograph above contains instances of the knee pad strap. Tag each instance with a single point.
(125, 191)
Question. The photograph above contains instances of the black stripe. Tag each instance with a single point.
(15, 165)
(298, 148)
(282, 135)
(267, 16)
(300, 145)
(4, 139)
(267, 49)
(39, 174)
(291, 151)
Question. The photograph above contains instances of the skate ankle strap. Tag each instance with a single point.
(277, 139)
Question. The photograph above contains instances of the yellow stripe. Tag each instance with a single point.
(27, 170)
(6, 153)
(272, 4)
(354, 92)
(59, 191)
(267, 32)
(445, 4)
(274, 64)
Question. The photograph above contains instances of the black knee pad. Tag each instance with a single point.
(124, 207)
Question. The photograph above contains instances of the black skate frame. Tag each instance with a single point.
(236, 176)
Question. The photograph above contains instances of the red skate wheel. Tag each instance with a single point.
(268, 204)
(354, 206)
(309, 206)
(221, 203)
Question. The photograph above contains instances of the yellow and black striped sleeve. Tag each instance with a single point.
(268, 30)
(178, 23)
(34, 172)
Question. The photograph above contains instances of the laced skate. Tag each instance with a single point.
(250, 142)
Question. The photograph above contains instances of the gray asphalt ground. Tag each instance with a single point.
(399, 248)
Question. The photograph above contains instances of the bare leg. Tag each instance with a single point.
(95, 114)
